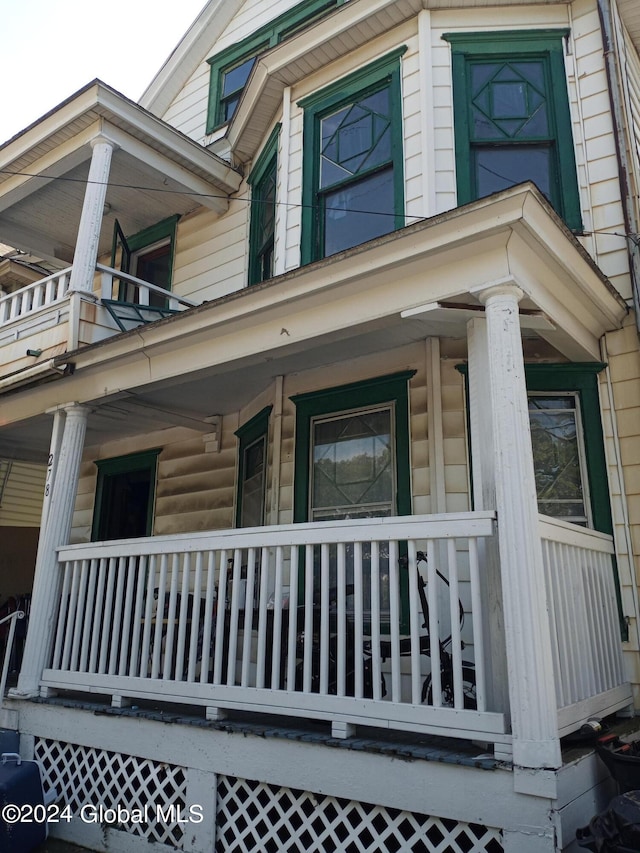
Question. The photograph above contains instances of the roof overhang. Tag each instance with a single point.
(421, 281)
(630, 14)
(156, 171)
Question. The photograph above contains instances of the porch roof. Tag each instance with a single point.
(417, 282)
(156, 172)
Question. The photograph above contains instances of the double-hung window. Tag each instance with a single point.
(352, 461)
(252, 470)
(352, 168)
(263, 181)
(512, 119)
(231, 68)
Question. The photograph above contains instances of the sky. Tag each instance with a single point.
(52, 48)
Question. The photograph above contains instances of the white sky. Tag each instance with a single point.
(51, 48)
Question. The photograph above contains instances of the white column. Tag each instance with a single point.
(483, 478)
(526, 620)
(46, 583)
(86, 253)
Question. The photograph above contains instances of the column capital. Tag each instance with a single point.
(101, 139)
(503, 288)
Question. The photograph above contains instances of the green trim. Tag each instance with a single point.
(146, 460)
(266, 37)
(247, 434)
(384, 72)
(162, 230)
(356, 395)
(266, 165)
(540, 44)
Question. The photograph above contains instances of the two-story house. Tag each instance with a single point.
(334, 390)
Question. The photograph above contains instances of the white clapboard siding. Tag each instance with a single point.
(22, 496)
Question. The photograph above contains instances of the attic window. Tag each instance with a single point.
(231, 68)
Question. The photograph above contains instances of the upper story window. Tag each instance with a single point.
(512, 120)
(230, 69)
(352, 168)
(147, 255)
(263, 180)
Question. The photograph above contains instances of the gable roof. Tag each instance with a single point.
(191, 50)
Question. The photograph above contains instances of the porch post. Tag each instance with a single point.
(46, 583)
(86, 253)
(526, 620)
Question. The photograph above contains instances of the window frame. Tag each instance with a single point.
(248, 434)
(284, 26)
(146, 460)
(385, 71)
(370, 393)
(148, 239)
(546, 44)
(265, 164)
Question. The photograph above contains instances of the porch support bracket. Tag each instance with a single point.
(526, 621)
(55, 532)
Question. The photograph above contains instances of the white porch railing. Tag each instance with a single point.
(584, 620)
(317, 620)
(38, 295)
(138, 290)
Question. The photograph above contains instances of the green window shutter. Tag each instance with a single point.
(353, 182)
(512, 119)
(263, 182)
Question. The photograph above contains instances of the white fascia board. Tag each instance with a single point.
(471, 245)
(310, 50)
(98, 100)
(193, 49)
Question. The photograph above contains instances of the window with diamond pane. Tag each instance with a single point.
(352, 169)
(512, 120)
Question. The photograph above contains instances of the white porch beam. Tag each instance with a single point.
(86, 256)
(58, 516)
(526, 620)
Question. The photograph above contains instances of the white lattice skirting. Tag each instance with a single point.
(254, 816)
(86, 775)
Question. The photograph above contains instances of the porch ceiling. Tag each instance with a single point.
(418, 282)
(156, 172)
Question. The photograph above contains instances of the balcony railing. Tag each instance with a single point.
(40, 294)
(318, 620)
(341, 621)
(584, 621)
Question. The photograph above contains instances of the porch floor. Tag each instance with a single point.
(408, 746)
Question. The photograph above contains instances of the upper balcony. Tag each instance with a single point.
(64, 182)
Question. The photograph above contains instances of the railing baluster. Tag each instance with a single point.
(135, 665)
(308, 619)
(434, 625)
(276, 660)
(263, 592)
(161, 602)
(454, 610)
(169, 616)
(210, 603)
(196, 610)
(90, 615)
(248, 617)
(358, 619)
(218, 649)
(117, 616)
(125, 657)
(234, 620)
(107, 639)
(69, 639)
(148, 617)
(182, 615)
(476, 623)
(394, 621)
(63, 616)
(293, 618)
(376, 671)
(325, 603)
(341, 618)
(414, 624)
